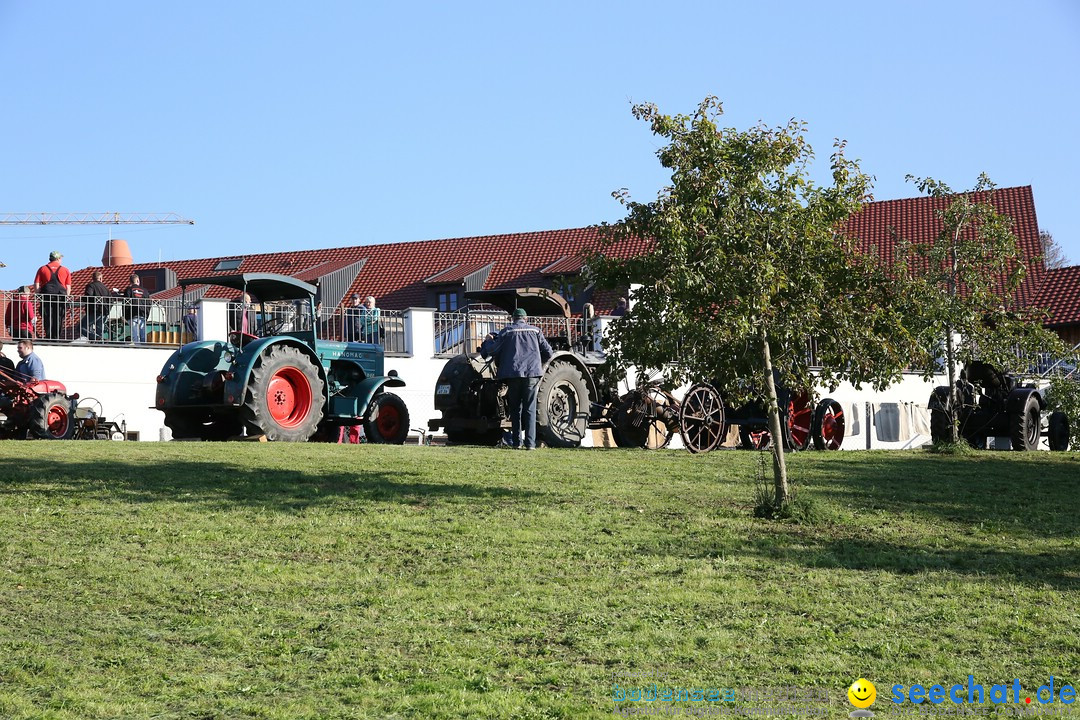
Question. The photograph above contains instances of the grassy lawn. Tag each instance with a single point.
(188, 580)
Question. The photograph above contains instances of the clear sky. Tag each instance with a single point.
(281, 126)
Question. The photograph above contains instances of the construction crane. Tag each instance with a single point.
(46, 218)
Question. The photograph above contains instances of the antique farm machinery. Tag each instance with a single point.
(986, 402)
(35, 408)
(649, 416)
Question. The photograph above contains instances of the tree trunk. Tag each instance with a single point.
(779, 468)
(954, 397)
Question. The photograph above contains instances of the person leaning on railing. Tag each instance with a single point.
(96, 302)
(53, 282)
(19, 315)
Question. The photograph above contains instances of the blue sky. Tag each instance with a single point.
(281, 126)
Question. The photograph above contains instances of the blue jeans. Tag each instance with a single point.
(521, 404)
(138, 329)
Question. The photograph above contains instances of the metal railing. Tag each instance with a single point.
(110, 320)
(460, 332)
(348, 324)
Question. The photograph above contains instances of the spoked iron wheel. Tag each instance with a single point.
(701, 419)
(829, 425)
(646, 418)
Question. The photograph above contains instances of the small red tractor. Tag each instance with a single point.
(35, 408)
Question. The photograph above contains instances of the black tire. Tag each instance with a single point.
(1024, 430)
(51, 417)
(562, 406)
(284, 399)
(1057, 435)
(940, 420)
(201, 425)
(387, 420)
(829, 426)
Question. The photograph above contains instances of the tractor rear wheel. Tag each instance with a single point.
(50, 417)
(562, 405)
(387, 420)
(1057, 435)
(1024, 430)
(284, 399)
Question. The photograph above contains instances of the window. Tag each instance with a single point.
(448, 301)
(231, 264)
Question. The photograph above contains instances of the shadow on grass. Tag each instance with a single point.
(1001, 493)
(989, 515)
(217, 484)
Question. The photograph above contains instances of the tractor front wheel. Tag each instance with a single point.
(387, 420)
(1058, 433)
(50, 417)
(284, 398)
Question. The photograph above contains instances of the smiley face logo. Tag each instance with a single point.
(862, 693)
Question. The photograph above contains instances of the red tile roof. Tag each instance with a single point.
(881, 225)
(1060, 293)
(395, 273)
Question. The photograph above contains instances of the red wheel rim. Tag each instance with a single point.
(799, 418)
(832, 427)
(288, 397)
(388, 422)
(57, 420)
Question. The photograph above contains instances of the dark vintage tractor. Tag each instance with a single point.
(281, 381)
(648, 417)
(569, 398)
(35, 408)
(985, 403)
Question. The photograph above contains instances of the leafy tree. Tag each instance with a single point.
(966, 280)
(749, 261)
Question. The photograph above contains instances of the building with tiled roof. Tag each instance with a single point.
(437, 273)
(881, 226)
(1060, 294)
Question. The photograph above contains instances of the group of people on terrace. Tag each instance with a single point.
(52, 285)
(40, 309)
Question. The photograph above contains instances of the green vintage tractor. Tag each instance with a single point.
(273, 376)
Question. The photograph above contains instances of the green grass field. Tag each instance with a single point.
(244, 580)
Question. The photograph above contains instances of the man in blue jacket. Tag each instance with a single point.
(520, 351)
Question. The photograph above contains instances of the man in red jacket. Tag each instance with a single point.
(53, 282)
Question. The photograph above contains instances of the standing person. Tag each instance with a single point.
(191, 324)
(620, 308)
(53, 282)
(95, 308)
(520, 351)
(351, 324)
(5, 362)
(138, 308)
(19, 315)
(30, 364)
(243, 315)
(369, 321)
